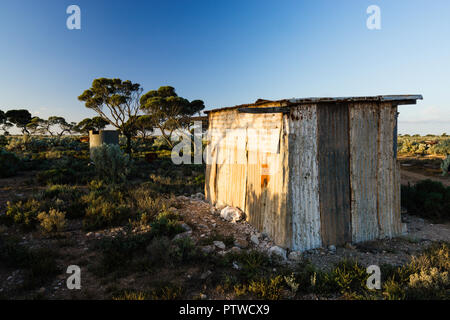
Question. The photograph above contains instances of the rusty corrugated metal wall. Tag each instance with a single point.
(304, 178)
(329, 176)
(374, 177)
(249, 172)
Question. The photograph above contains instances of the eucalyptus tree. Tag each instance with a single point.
(117, 102)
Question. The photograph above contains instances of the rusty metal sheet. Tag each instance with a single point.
(364, 118)
(334, 187)
(304, 178)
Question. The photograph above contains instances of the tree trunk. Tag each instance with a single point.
(128, 148)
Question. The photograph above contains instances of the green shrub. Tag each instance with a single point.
(52, 221)
(441, 148)
(117, 253)
(425, 277)
(166, 224)
(111, 164)
(9, 164)
(56, 176)
(65, 198)
(445, 165)
(428, 199)
(268, 289)
(102, 213)
(23, 213)
(39, 264)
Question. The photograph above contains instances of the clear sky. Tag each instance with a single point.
(228, 52)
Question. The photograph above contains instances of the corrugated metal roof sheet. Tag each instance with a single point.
(401, 99)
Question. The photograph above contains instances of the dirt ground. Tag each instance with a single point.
(75, 246)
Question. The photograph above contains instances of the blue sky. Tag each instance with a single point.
(228, 52)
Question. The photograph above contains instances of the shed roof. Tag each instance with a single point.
(397, 99)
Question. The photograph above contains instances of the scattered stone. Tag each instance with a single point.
(254, 239)
(231, 214)
(404, 229)
(276, 250)
(235, 250)
(183, 235)
(332, 248)
(208, 249)
(185, 227)
(295, 256)
(236, 265)
(241, 243)
(206, 274)
(220, 245)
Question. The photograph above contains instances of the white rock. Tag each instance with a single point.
(295, 255)
(404, 229)
(278, 251)
(206, 274)
(220, 245)
(235, 250)
(332, 248)
(254, 239)
(186, 227)
(231, 214)
(236, 265)
(208, 249)
(183, 235)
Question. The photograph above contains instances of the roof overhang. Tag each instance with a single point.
(278, 104)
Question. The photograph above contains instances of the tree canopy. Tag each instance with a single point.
(168, 111)
(116, 101)
(95, 124)
(20, 118)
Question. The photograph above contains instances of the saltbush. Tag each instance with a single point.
(52, 221)
(111, 164)
(23, 213)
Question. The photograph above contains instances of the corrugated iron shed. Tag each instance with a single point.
(310, 172)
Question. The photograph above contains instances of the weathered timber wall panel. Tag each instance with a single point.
(364, 118)
(333, 159)
(304, 178)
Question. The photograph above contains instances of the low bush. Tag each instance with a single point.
(65, 198)
(52, 221)
(166, 224)
(428, 199)
(23, 213)
(9, 164)
(39, 264)
(110, 163)
(102, 213)
(426, 277)
(445, 166)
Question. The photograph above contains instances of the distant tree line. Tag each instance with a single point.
(120, 104)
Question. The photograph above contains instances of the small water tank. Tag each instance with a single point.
(97, 138)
